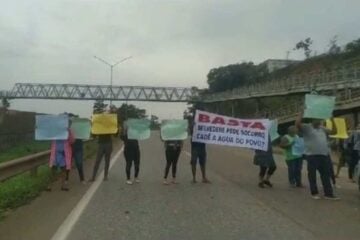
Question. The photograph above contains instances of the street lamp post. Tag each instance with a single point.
(111, 69)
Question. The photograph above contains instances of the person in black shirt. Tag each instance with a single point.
(131, 154)
(104, 150)
(172, 153)
(78, 152)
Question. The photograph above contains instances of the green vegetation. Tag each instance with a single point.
(244, 74)
(23, 150)
(23, 188)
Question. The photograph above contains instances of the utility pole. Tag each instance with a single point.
(111, 70)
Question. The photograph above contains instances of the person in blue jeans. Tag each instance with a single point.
(316, 152)
(198, 153)
(78, 154)
(294, 149)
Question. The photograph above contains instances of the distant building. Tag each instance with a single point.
(276, 64)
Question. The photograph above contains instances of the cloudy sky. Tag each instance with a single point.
(173, 42)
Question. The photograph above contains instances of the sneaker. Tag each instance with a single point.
(333, 197)
(137, 180)
(316, 197)
(174, 181)
(129, 182)
(268, 183)
(166, 182)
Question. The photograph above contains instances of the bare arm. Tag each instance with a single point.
(298, 121)
(284, 142)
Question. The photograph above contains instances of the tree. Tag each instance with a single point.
(99, 106)
(5, 103)
(305, 45)
(333, 47)
(154, 122)
(235, 75)
(353, 47)
(126, 111)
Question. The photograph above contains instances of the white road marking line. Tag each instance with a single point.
(66, 227)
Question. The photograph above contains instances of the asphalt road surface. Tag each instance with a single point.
(232, 207)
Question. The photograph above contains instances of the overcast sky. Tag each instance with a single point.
(173, 43)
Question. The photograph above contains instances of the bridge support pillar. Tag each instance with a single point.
(356, 118)
(232, 109)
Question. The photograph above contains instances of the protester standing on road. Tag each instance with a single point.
(60, 157)
(265, 160)
(132, 155)
(316, 152)
(354, 145)
(198, 152)
(78, 154)
(344, 154)
(331, 164)
(294, 149)
(105, 147)
(172, 153)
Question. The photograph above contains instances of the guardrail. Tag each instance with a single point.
(23, 164)
(344, 100)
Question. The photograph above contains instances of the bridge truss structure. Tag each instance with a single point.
(103, 92)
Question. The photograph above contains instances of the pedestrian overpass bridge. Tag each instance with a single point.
(95, 92)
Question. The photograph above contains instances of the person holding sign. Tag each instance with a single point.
(81, 129)
(172, 153)
(131, 154)
(173, 132)
(355, 148)
(265, 160)
(316, 154)
(104, 126)
(198, 152)
(60, 157)
(293, 146)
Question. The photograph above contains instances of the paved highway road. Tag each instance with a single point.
(232, 207)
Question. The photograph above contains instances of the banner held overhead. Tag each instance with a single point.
(221, 130)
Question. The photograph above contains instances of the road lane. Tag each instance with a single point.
(150, 210)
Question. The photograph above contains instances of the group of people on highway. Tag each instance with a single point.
(310, 142)
(63, 152)
(303, 141)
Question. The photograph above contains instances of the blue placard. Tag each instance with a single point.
(52, 127)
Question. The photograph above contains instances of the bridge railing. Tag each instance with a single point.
(320, 81)
(344, 99)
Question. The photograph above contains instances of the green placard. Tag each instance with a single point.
(274, 130)
(81, 128)
(174, 130)
(138, 129)
(318, 106)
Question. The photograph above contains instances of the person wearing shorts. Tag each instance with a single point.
(198, 154)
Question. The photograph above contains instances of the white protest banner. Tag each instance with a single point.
(221, 130)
